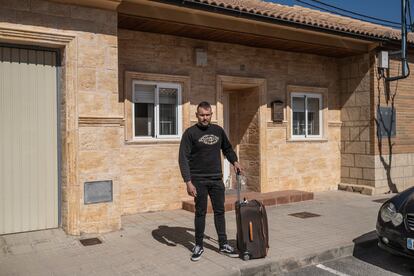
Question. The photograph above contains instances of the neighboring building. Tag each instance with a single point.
(94, 95)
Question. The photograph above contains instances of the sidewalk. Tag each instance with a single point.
(159, 243)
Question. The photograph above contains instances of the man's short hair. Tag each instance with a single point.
(204, 105)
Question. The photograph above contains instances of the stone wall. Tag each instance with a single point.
(150, 178)
(308, 166)
(403, 102)
(357, 160)
(89, 92)
(146, 176)
(371, 165)
(394, 155)
(400, 173)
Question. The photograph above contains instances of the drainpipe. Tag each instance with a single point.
(405, 70)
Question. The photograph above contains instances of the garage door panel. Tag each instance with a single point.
(29, 184)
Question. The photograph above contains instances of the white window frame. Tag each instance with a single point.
(159, 85)
(307, 95)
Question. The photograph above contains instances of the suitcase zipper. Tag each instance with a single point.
(263, 232)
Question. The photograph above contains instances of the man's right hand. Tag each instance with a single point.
(191, 190)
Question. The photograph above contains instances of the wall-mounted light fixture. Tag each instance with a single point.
(200, 57)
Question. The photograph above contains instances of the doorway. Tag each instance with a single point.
(242, 126)
(247, 123)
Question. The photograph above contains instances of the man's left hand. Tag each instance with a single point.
(237, 167)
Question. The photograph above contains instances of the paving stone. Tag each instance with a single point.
(159, 243)
(21, 249)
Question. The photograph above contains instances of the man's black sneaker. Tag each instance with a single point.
(197, 251)
(228, 250)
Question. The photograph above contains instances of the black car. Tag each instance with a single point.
(395, 224)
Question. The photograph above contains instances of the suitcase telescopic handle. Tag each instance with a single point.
(238, 184)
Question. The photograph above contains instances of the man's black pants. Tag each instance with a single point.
(215, 189)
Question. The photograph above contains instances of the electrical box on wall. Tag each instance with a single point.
(386, 117)
(383, 62)
(277, 111)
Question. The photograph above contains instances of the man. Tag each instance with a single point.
(200, 165)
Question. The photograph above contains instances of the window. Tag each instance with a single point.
(156, 109)
(306, 115)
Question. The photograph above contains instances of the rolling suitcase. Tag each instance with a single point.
(252, 227)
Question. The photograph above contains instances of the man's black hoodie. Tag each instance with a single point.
(199, 156)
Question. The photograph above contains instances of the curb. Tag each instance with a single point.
(282, 266)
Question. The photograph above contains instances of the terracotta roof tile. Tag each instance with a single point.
(309, 17)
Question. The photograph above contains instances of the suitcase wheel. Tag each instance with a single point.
(246, 257)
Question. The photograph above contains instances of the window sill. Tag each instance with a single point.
(154, 141)
(316, 140)
(272, 124)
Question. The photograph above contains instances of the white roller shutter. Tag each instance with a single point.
(28, 140)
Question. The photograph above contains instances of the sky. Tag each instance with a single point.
(383, 9)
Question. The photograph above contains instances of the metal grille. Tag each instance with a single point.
(304, 215)
(410, 221)
(90, 241)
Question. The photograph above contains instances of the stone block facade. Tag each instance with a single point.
(357, 159)
(96, 117)
(303, 165)
(393, 155)
(401, 172)
(88, 80)
(370, 164)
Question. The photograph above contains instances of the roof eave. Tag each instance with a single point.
(269, 19)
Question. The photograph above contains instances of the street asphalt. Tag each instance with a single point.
(367, 260)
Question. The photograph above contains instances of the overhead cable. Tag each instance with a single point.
(355, 13)
(341, 14)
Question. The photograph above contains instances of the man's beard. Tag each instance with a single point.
(204, 124)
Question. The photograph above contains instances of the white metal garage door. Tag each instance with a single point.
(28, 140)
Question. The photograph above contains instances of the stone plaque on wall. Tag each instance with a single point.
(98, 191)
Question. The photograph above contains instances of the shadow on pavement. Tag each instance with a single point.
(173, 235)
(367, 250)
